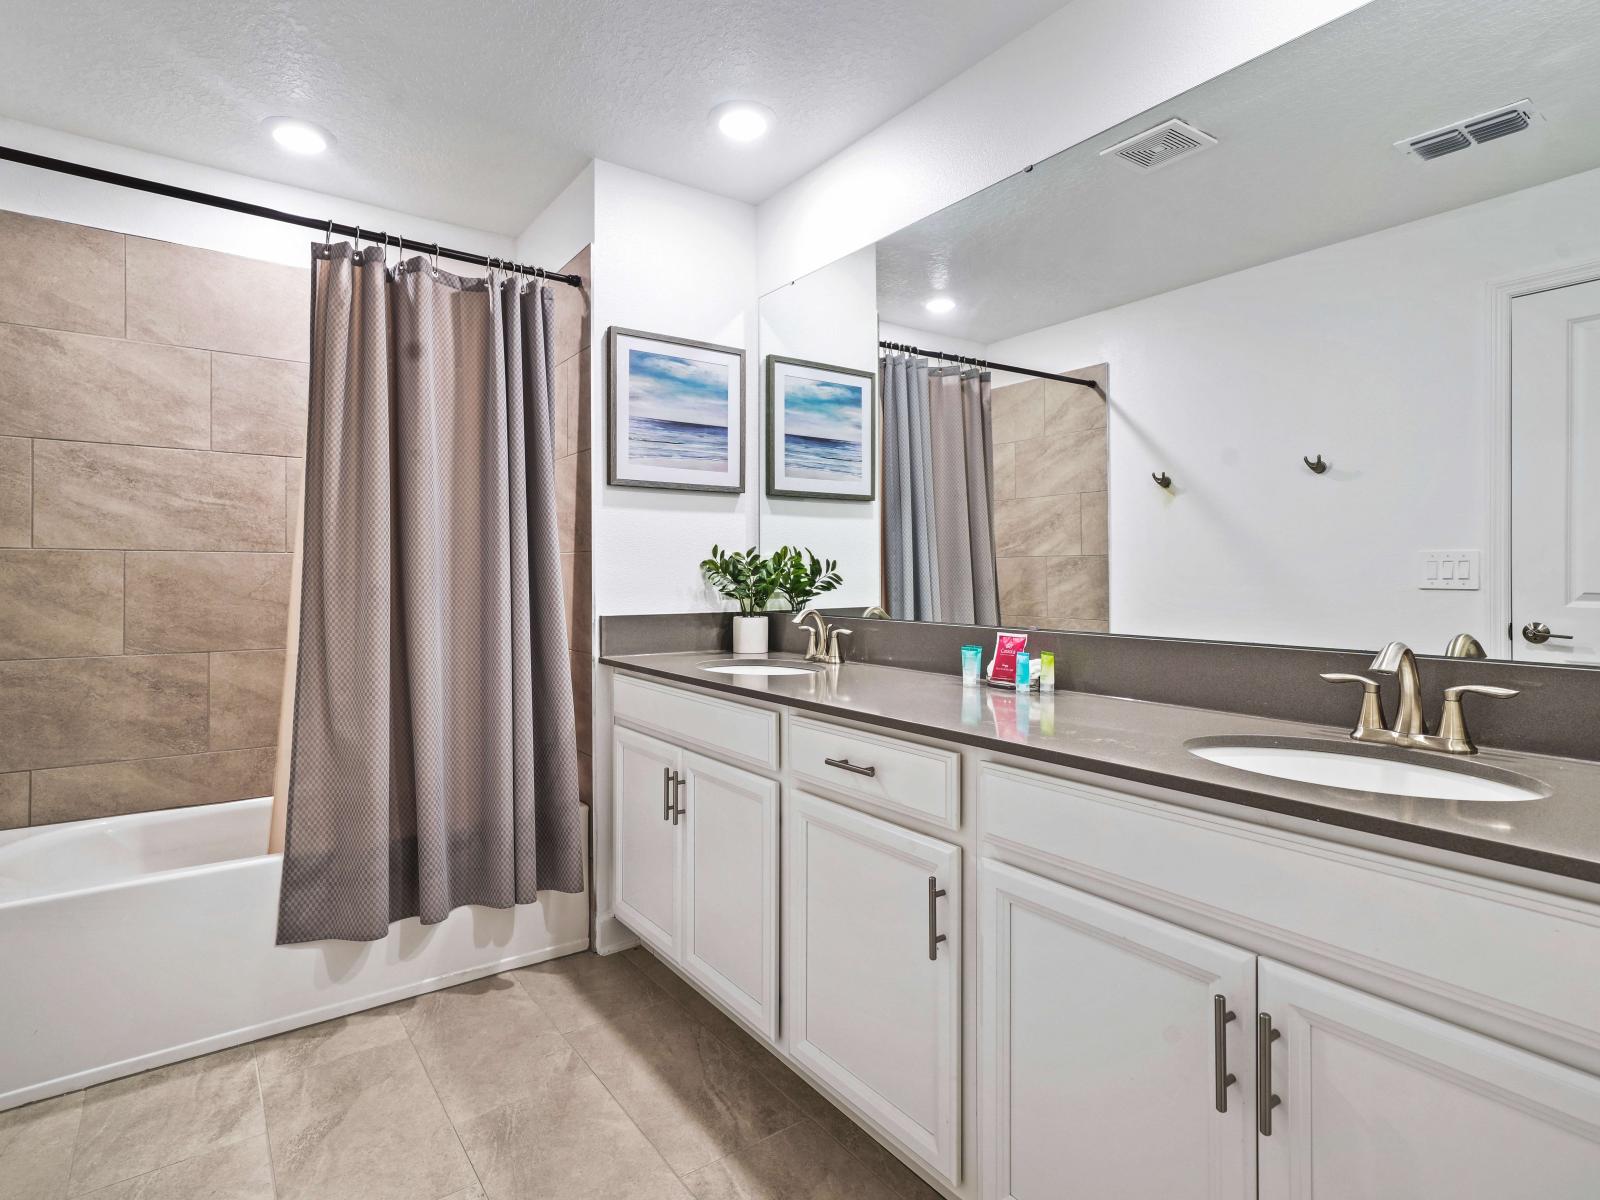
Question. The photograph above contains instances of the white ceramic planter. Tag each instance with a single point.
(750, 635)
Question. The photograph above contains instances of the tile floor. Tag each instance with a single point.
(585, 1078)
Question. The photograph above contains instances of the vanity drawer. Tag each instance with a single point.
(721, 727)
(907, 777)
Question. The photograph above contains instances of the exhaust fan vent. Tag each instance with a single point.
(1166, 143)
(1474, 131)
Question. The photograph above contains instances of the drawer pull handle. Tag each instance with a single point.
(678, 809)
(844, 764)
(1220, 1016)
(934, 936)
(666, 793)
(1265, 1100)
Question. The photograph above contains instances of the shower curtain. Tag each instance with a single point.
(433, 761)
(939, 493)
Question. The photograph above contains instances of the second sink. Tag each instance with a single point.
(1389, 774)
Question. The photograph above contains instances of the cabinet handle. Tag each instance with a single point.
(934, 936)
(1220, 1016)
(666, 792)
(1265, 1100)
(844, 764)
(677, 791)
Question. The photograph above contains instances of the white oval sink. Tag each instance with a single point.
(755, 668)
(1363, 773)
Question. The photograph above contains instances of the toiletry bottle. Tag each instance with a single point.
(1022, 672)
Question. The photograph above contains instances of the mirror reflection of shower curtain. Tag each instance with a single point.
(939, 493)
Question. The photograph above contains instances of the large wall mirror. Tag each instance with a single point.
(1334, 322)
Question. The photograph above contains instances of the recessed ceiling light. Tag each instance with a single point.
(940, 304)
(298, 137)
(742, 120)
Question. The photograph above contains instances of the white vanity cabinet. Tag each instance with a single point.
(1115, 1050)
(872, 994)
(648, 851)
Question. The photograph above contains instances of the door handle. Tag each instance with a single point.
(934, 936)
(844, 764)
(1539, 633)
(1265, 1100)
(666, 792)
(678, 809)
(1220, 1016)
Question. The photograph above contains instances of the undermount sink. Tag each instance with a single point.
(1378, 773)
(757, 666)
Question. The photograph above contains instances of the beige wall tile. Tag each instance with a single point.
(1018, 411)
(13, 815)
(1070, 406)
(186, 296)
(1082, 625)
(134, 497)
(95, 389)
(60, 603)
(1024, 589)
(1073, 462)
(585, 778)
(192, 600)
(294, 470)
(60, 276)
(245, 688)
(1096, 532)
(1079, 588)
(63, 711)
(147, 784)
(578, 422)
(566, 375)
(582, 602)
(1040, 525)
(16, 491)
(571, 333)
(583, 698)
(258, 405)
(1005, 471)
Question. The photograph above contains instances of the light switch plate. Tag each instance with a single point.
(1450, 570)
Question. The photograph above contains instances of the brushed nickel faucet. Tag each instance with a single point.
(1409, 728)
(822, 643)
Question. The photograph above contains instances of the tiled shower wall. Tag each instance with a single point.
(572, 496)
(152, 418)
(1051, 541)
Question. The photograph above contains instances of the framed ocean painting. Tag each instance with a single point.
(677, 413)
(821, 430)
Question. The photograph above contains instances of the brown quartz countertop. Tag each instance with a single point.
(1148, 743)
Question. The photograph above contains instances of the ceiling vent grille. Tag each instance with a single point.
(1156, 148)
(1474, 131)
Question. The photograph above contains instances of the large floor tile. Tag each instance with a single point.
(241, 1171)
(584, 988)
(695, 1096)
(36, 1148)
(317, 1045)
(133, 1126)
(799, 1163)
(481, 1043)
(362, 1126)
(567, 1139)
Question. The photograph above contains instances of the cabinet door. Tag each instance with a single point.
(872, 1002)
(730, 916)
(1098, 1056)
(1384, 1103)
(647, 842)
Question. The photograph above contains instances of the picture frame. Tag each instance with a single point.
(822, 430)
(675, 413)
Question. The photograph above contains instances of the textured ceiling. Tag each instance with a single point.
(480, 112)
(1305, 159)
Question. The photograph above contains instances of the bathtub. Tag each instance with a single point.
(131, 942)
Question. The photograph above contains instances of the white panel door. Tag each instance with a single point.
(1555, 474)
(1101, 1071)
(647, 867)
(1383, 1103)
(730, 914)
(873, 955)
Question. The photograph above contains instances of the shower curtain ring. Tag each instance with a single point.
(436, 256)
(327, 238)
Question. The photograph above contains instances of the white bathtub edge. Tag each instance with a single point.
(313, 1016)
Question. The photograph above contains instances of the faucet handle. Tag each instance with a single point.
(1453, 736)
(833, 643)
(1370, 724)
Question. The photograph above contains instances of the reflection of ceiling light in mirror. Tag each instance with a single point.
(298, 137)
(742, 120)
(940, 304)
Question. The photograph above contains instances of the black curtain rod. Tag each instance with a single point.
(272, 214)
(993, 366)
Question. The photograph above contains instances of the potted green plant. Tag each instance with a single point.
(749, 579)
(802, 576)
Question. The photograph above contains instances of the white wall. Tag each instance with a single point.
(1091, 65)
(84, 202)
(565, 226)
(669, 259)
(829, 316)
(1373, 352)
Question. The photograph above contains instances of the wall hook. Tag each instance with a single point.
(1162, 480)
(1317, 467)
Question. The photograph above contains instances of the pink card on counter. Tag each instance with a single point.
(1006, 648)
